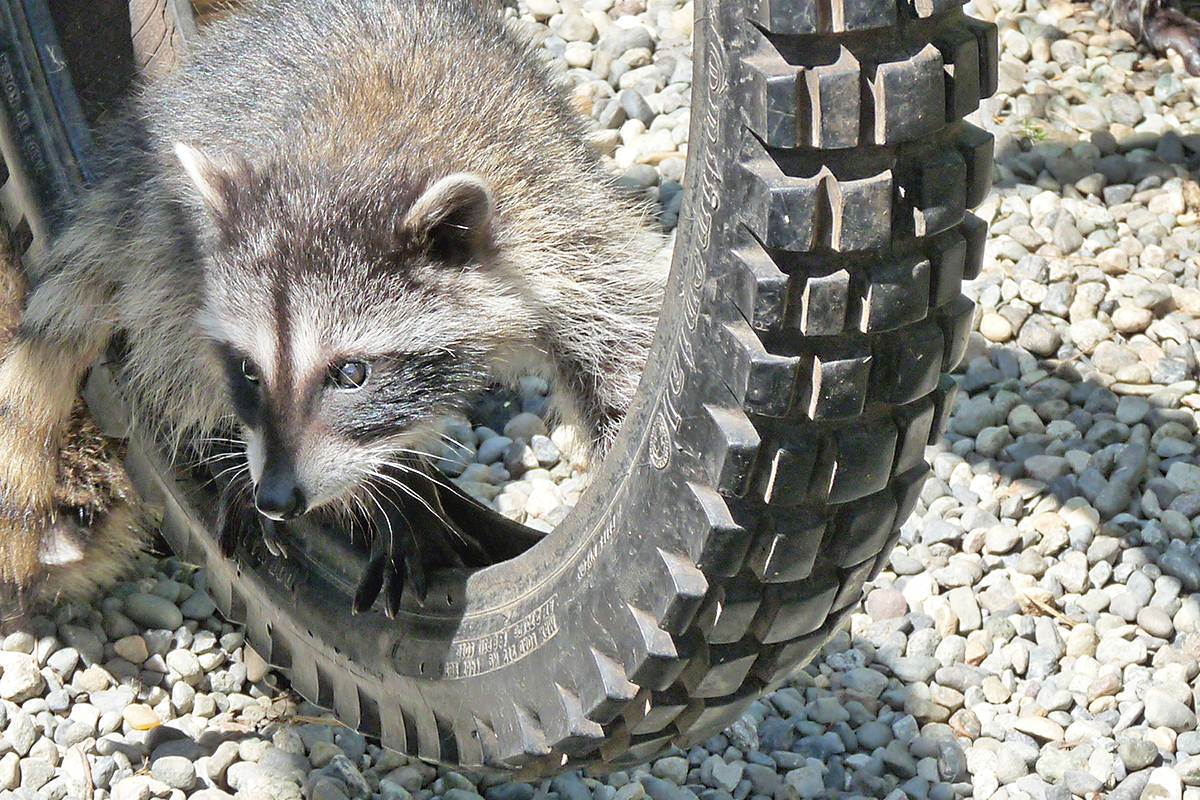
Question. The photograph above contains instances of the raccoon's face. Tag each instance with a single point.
(345, 334)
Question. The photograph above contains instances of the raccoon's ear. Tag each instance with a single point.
(215, 178)
(452, 218)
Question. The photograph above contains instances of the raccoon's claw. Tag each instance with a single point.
(1169, 27)
(272, 539)
(238, 522)
(393, 563)
(372, 578)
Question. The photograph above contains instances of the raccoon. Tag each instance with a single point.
(333, 224)
(1158, 24)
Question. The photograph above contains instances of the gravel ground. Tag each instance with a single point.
(1037, 633)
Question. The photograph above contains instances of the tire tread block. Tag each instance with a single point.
(786, 547)
(732, 444)
(947, 258)
(762, 289)
(571, 730)
(824, 304)
(839, 383)
(956, 318)
(650, 649)
(781, 211)
(781, 16)
(943, 404)
(703, 716)
(719, 670)
(772, 100)
(907, 488)
(987, 37)
(908, 366)
(909, 97)
(780, 663)
(823, 16)
(791, 610)
(852, 582)
(639, 750)
(687, 586)
(732, 608)
(646, 652)
(914, 422)
(860, 211)
(977, 148)
(960, 55)
(785, 477)
(652, 712)
(520, 734)
(939, 194)
(974, 231)
(833, 102)
(799, 213)
(765, 382)
(862, 528)
(897, 295)
(724, 546)
(861, 460)
(605, 690)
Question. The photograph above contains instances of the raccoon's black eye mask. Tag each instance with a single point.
(243, 378)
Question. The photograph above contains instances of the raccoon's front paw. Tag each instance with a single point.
(1169, 27)
(393, 562)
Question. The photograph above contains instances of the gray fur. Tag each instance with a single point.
(308, 129)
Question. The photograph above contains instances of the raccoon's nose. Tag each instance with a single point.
(278, 497)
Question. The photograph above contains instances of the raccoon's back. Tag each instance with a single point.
(401, 86)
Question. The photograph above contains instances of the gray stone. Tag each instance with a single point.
(153, 611)
(198, 606)
(635, 106)
(1137, 753)
(1189, 770)
(349, 774)
(1164, 710)
(175, 771)
(1038, 336)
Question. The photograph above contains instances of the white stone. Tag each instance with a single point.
(19, 677)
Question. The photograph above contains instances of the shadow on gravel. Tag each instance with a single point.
(1022, 158)
(1046, 585)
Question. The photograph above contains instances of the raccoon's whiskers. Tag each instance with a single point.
(410, 451)
(219, 440)
(235, 473)
(386, 517)
(211, 460)
(391, 480)
(428, 476)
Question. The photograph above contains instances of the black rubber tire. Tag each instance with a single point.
(159, 30)
(776, 443)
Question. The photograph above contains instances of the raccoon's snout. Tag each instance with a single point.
(278, 496)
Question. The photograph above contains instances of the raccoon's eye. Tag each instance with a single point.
(249, 371)
(349, 374)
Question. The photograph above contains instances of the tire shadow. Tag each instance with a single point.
(1053, 551)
